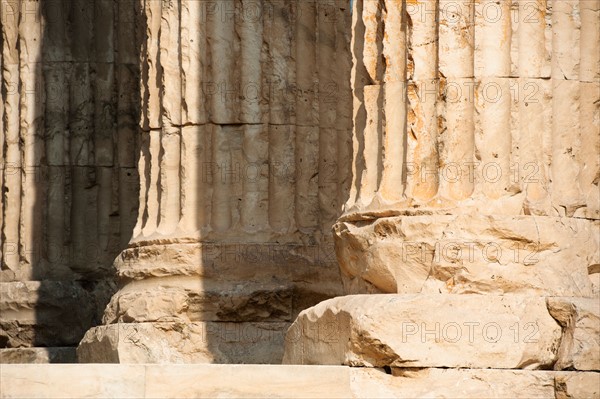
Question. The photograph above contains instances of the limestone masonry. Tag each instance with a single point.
(376, 198)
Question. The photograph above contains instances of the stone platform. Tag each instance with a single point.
(275, 381)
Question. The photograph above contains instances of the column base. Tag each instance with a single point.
(38, 355)
(198, 342)
(432, 252)
(50, 313)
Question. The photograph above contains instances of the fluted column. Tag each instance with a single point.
(476, 133)
(475, 128)
(67, 166)
(245, 130)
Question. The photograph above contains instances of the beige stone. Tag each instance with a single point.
(580, 344)
(276, 381)
(198, 342)
(203, 150)
(185, 300)
(38, 355)
(186, 281)
(467, 331)
(239, 161)
(431, 253)
(249, 381)
(217, 123)
(499, 111)
(72, 381)
(452, 383)
(49, 313)
(67, 141)
(577, 385)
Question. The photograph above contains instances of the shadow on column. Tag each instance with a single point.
(74, 162)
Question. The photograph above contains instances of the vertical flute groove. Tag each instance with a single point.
(12, 174)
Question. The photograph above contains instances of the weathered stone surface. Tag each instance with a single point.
(38, 355)
(185, 300)
(218, 123)
(431, 253)
(47, 313)
(245, 129)
(467, 331)
(66, 160)
(212, 141)
(580, 344)
(68, 184)
(222, 281)
(464, 108)
(569, 385)
(452, 383)
(200, 342)
(595, 277)
(276, 381)
(71, 381)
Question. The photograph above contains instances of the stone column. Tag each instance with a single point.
(475, 148)
(474, 200)
(67, 170)
(244, 167)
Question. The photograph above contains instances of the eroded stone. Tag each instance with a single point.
(580, 344)
(200, 342)
(468, 331)
(433, 253)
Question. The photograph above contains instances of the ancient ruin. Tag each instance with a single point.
(376, 198)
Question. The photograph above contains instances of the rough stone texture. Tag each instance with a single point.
(38, 355)
(50, 313)
(221, 282)
(68, 180)
(475, 171)
(198, 342)
(492, 112)
(217, 124)
(274, 381)
(580, 344)
(244, 164)
(484, 106)
(431, 253)
(210, 148)
(427, 221)
(246, 124)
(576, 385)
(466, 331)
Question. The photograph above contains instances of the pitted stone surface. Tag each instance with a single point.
(191, 342)
(467, 331)
(210, 151)
(38, 355)
(580, 344)
(50, 313)
(429, 252)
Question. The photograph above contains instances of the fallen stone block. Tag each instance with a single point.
(472, 331)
